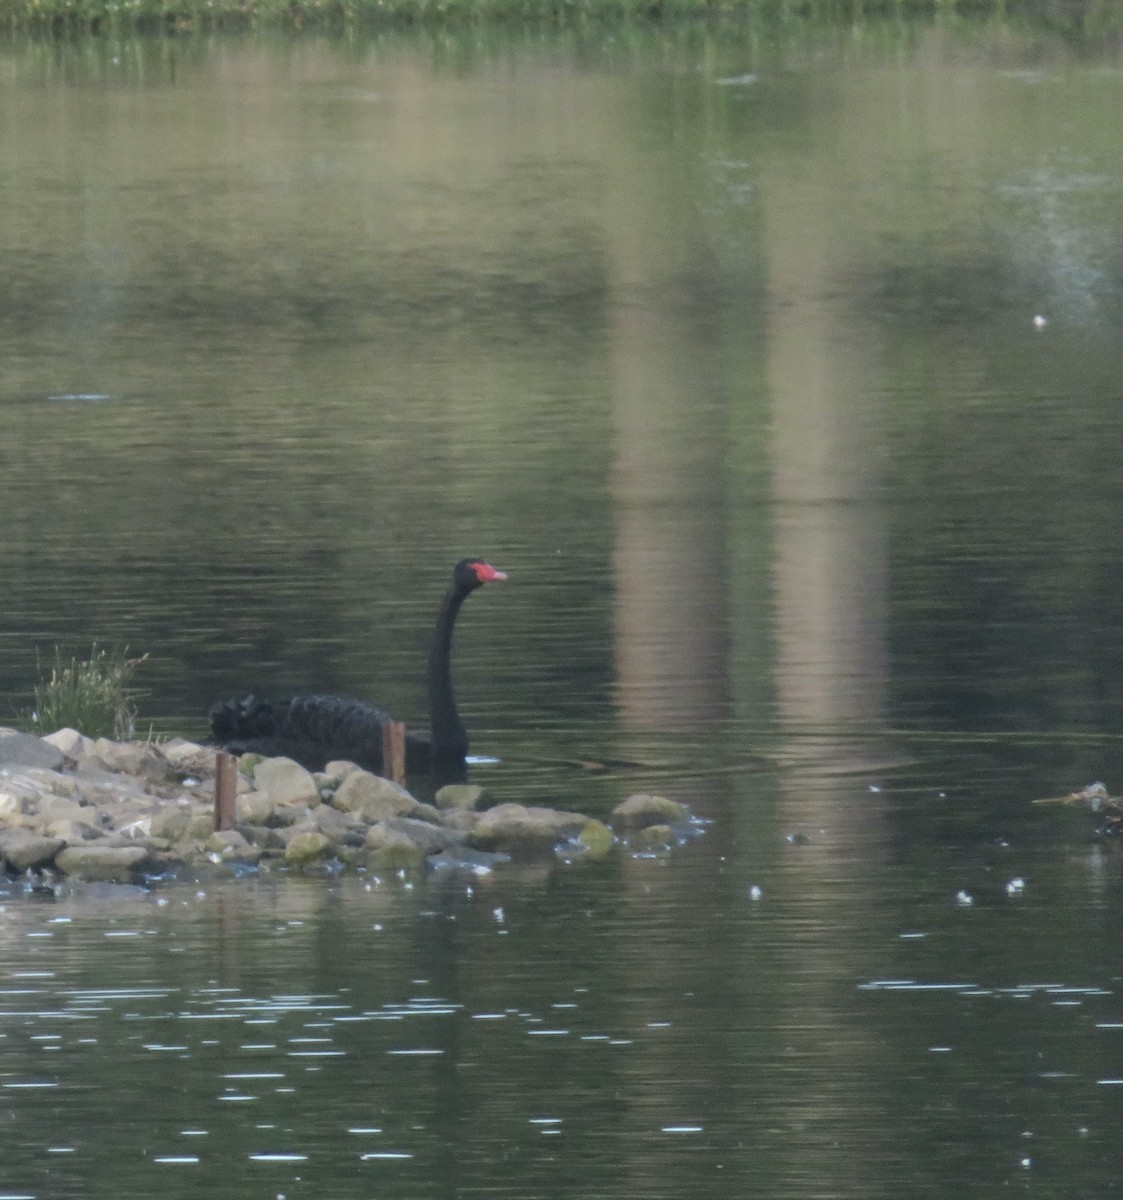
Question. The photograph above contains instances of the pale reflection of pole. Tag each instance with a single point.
(670, 562)
(830, 614)
(670, 557)
(829, 566)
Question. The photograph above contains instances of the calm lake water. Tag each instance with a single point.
(780, 368)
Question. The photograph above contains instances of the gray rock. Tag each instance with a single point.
(431, 838)
(641, 810)
(156, 845)
(59, 808)
(96, 785)
(133, 817)
(460, 819)
(132, 827)
(339, 826)
(387, 849)
(115, 864)
(284, 834)
(184, 755)
(73, 832)
(69, 741)
(22, 850)
(372, 798)
(285, 781)
(340, 768)
(26, 750)
(518, 830)
(263, 837)
(291, 814)
(38, 780)
(130, 758)
(14, 802)
(256, 808)
(171, 822)
(231, 846)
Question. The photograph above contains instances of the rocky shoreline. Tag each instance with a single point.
(128, 812)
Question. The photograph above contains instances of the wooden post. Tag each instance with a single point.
(225, 791)
(394, 751)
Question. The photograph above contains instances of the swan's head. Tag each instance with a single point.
(469, 573)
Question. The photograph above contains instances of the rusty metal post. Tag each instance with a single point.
(394, 751)
(225, 791)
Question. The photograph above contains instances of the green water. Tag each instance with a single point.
(780, 369)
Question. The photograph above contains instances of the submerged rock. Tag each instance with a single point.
(466, 861)
(641, 810)
(652, 838)
(22, 850)
(109, 864)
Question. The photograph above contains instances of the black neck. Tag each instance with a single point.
(450, 738)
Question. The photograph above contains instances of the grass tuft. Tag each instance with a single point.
(94, 696)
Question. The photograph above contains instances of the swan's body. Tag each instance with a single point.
(314, 730)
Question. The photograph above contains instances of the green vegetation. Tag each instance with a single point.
(97, 16)
(94, 696)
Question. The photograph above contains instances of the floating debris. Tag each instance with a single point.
(1099, 800)
(1094, 794)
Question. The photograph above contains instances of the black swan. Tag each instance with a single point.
(314, 730)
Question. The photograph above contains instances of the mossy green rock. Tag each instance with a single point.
(466, 796)
(306, 848)
(597, 839)
(388, 849)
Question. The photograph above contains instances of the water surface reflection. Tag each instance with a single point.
(724, 347)
(622, 1029)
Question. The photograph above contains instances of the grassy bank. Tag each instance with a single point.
(93, 16)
